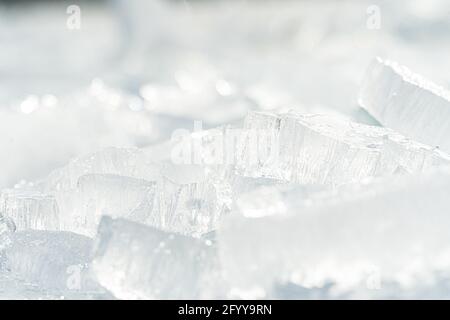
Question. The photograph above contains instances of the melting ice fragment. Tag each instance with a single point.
(134, 261)
(327, 149)
(407, 102)
(396, 227)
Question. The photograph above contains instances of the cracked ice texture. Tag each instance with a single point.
(30, 209)
(407, 102)
(395, 228)
(49, 258)
(103, 194)
(126, 183)
(188, 201)
(74, 197)
(134, 261)
(328, 149)
(120, 183)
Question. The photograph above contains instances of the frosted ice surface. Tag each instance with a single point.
(6, 225)
(30, 209)
(407, 102)
(394, 229)
(12, 287)
(273, 199)
(134, 261)
(73, 197)
(327, 149)
(50, 259)
(78, 209)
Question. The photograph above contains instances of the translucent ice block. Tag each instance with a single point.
(394, 229)
(103, 194)
(30, 209)
(407, 102)
(78, 209)
(114, 195)
(51, 259)
(6, 225)
(327, 149)
(187, 200)
(134, 261)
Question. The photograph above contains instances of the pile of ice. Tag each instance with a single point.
(288, 205)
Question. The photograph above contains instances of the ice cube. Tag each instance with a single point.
(407, 102)
(327, 149)
(394, 228)
(134, 261)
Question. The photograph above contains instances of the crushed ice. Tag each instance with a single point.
(180, 162)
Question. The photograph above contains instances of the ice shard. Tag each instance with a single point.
(394, 228)
(134, 261)
(407, 102)
(51, 259)
(327, 149)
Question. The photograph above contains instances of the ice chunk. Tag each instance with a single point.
(407, 102)
(78, 209)
(51, 259)
(327, 149)
(113, 195)
(30, 209)
(134, 261)
(394, 229)
(188, 200)
(100, 194)
(12, 287)
(6, 225)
